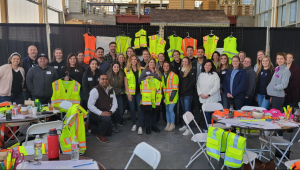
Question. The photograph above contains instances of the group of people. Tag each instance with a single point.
(114, 83)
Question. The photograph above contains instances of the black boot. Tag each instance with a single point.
(155, 129)
(148, 130)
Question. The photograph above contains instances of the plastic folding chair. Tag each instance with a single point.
(288, 164)
(211, 107)
(251, 108)
(147, 153)
(198, 138)
(64, 105)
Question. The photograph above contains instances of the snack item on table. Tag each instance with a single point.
(275, 113)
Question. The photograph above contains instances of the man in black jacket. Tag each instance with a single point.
(250, 82)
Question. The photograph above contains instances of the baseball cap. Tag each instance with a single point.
(42, 55)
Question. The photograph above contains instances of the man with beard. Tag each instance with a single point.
(111, 56)
(103, 64)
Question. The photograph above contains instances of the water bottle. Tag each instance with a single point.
(75, 149)
(38, 148)
(53, 145)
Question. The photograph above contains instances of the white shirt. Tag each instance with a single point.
(209, 84)
(94, 95)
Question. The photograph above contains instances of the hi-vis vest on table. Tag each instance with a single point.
(157, 45)
(214, 142)
(65, 90)
(75, 128)
(151, 92)
(140, 39)
(210, 45)
(90, 48)
(131, 81)
(296, 166)
(123, 42)
(189, 42)
(230, 47)
(234, 151)
(172, 84)
(28, 150)
(175, 44)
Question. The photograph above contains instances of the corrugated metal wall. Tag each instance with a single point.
(74, 5)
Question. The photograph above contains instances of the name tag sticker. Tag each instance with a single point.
(223, 72)
(90, 79)
(76, 70)
(178, 68)
(48, 72)
(98, 79)
(111, 95)
(148, 72)
(56, 67)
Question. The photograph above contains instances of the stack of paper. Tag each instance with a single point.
(80, 164)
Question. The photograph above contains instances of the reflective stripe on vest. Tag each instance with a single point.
(214, 142)
(90, 47)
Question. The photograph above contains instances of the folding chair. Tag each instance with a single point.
(147, 153)
(211, 107)
(64, 105)
(198, 138)
(251, 108)
(9, 125)
(288, 164)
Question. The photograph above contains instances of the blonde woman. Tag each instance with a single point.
(260, 56)
(186, 89)
(242, 56)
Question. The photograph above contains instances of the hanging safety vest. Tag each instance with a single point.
(123, 42)
(131, 81)
(295, 166)
(234, 151)
(151, 92)
(29, 150)
(65, 90)
(175, 44)
(189, 42)
(230, 47)
(210, 45)
(75, 128)
(157, 45)
(169, 86)
(140, 39)
(214, 142)
(90, 48)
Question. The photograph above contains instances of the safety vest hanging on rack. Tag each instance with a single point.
(175, 44)
(140, 39)
(123, 42)
(90, 48)
(189, 42)
(210, 45)
(157, 45)
(230, 47)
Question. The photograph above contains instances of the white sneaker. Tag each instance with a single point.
(187, 132)
(133, 129)
(140, 131)
(183, 128)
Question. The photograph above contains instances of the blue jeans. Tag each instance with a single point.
(224, 101)
(208, 118)
(170, 113)
(186, 102)
(13, 98)
(119, 112)
(136, 99)
(262, 102)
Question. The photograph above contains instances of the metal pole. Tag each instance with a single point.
(181, 4)
(267, 41)
(139, 9)
(45, 11)
(160, 5)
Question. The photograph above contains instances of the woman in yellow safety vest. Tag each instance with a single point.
(216, 58)
(132, 87)
(150, 72)
(260, 56)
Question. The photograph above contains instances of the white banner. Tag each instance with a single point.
(104, 42)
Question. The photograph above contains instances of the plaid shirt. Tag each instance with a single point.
(109, 58)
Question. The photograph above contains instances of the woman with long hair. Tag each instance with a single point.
(129, 52)
(216, 58)
(116, 80)
(146, 57)
(122, 61)
(242, 56)
(260, 56)
(73, 69)
(132, 87)
(59, 61)
(186, 88)
(263, 77)
(221, 70)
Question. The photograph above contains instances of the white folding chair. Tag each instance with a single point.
(42, 128)
(198, 138)
(64, 105)
(288, 164)
(147, 153)
(211, 107)
(10, 125)
(248, 157)
(251, 108)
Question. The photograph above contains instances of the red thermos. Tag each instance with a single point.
(53, 145)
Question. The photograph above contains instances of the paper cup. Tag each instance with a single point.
(34, 111)
(24, 108)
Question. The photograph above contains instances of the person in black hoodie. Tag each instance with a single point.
(58, 62)
(250, 82)
(146, 56)
(221, 70)
(176, 63)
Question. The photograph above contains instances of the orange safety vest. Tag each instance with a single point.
(90, 48)
(296, 166)
(2, 135)
(189, 42)
(3, 104)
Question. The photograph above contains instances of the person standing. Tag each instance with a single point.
(132, 87)
(58, 62)
(234, 84)
(27, 63)
(129, 52)
(111, 56)
(39, 80)
(146, 57)
(208, 87)
(186, 89)
(160, 62)
(162, 107)
(170, 83)
(263, 78)
(190, 52)
(176, 63)
(250, 87)
(260, 56)
(279, 82)
(216, 58)
(103, 65)
(80, 57)
(242, 56)
(122, 61)
(150, 73)
(102, 104)
(12, 78)
(221, 70)
(73, 69)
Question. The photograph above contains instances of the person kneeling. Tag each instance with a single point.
(102, 104)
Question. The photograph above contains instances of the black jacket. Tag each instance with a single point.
(250, 87)
(187, 84)
(175, 67)
(194, 67)
(89, 81)
(269, 78)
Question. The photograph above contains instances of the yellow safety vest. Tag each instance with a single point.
(230, 47)
(234, 151)
(151, 92)
(65, 90)
(210, 45)
(175, 44)
(140, 39)
(214, 142)
(123, 42)
(131, 81)
(29, 150)
(75, 128)
(157, 45)
(172, 84)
